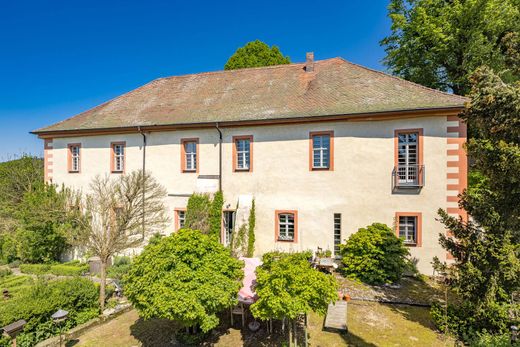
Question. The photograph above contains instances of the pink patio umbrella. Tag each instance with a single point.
(247, 294)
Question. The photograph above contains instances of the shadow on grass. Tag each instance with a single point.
(155, 332)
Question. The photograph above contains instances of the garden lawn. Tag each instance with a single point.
(370, 324)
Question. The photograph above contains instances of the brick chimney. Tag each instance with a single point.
(309, 63)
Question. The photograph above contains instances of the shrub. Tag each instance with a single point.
(5, 271)
(35, 269)
(14, 264)
(69, 270)
(374, 255)
(122, 260)
(486, 339)
(57, 269)
(78, 296)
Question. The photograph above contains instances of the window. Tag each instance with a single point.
(408, 227)
(189, 155)
(229, 225)
(118, 157)
(409, 168)
(242, 153)
(180, 218)
(337, 233)
(321, 150)
(74, 157)
(286, 226)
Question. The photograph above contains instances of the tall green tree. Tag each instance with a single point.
(440, 43)
(287, 286)
(256, 54)
(188, 277)
(486, 272)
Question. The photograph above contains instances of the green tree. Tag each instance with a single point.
(287, 286)
(486, 272)
(440, 43)
(374, 255)
(188, 277)
(256, 54)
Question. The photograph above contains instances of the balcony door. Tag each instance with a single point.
(407, 160)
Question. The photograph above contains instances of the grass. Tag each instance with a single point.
(370, 324)
(15, 284)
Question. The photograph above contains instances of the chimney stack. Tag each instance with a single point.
(309, 63)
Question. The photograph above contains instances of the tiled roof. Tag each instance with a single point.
(335, 87)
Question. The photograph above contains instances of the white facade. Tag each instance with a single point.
(359, 187)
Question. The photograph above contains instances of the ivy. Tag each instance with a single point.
(198, 213)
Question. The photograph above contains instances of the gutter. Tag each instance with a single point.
(372, 116)
(219, 157)
(144, 175)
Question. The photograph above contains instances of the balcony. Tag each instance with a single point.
(408, 176)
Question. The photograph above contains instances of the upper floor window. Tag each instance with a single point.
(322, 150)
(409, 170)
(74, 159)
(189, 155)
(408, 227)
(118, 157)
(286, 226)
(242, 153)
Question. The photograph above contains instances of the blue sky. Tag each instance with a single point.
(58, 58)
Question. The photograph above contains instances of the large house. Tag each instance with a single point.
(323, 147)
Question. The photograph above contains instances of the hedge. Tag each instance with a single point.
(78, 296)
(57, 269)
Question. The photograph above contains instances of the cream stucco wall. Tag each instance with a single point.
(360, 187)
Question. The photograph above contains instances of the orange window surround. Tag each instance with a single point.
(70, 148)
(183, 154)
(277, 214)
(418, 226)
(113, 168)
(235, 153)
(312, 135)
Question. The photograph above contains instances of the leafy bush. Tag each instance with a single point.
(14, 264)
(57, 269)
(188, 277)
(287, 286)
(122, 260)
(486, 339)
(69, 270)
(473, 330)
(35, 269)
(5, 271)
(198, 212)
(78, 296)
(215, 215)
(374, 255)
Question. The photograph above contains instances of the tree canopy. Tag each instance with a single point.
(486, 272)
(288, 286)
(374, 255)
(188, 277)
(256, 54)
(440, 43)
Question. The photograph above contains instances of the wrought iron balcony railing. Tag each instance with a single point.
(408, 176)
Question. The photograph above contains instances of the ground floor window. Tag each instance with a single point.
(180, 218)
(337, 233)
(408, 227)
(229, 225)
(286, 225)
